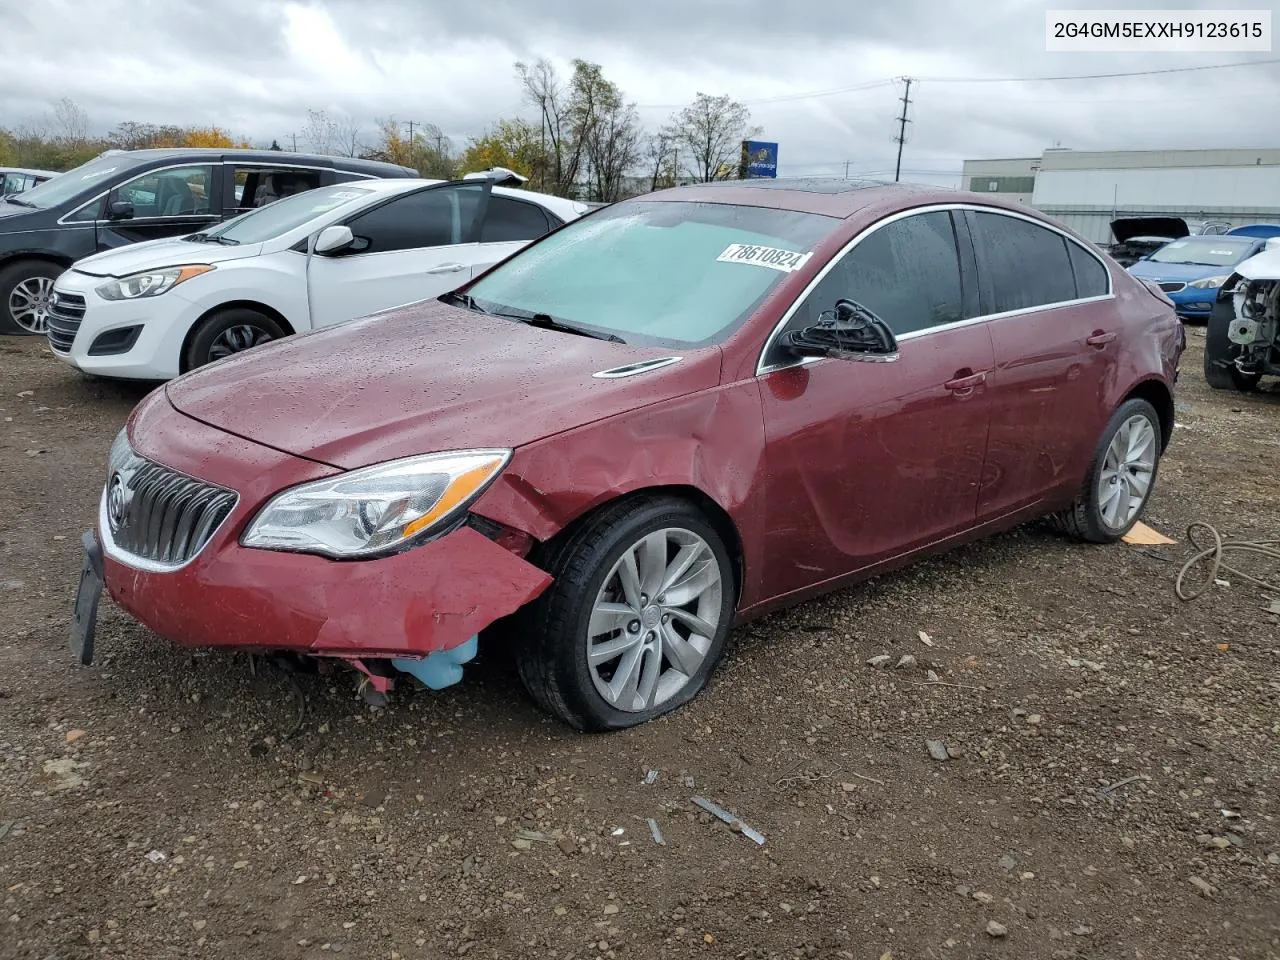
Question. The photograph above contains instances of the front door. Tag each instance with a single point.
(413, 247)
(871, 460)
(170, 202)
(1053, 328)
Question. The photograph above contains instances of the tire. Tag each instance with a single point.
(1219, 372)
(22, 285)
(228, 332)
(1090, 517)
(552, 656)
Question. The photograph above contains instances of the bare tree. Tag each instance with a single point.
(710, 132)
(70, 123)
(317, 132)
(345, 134)
(662, 155)
(543, 89)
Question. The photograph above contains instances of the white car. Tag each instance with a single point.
(154, 310)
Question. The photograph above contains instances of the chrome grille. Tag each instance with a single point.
(161, 516)
(1171, 286)
(63, 318)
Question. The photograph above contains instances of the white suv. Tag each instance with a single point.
(152, 311)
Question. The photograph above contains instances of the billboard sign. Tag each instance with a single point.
(759, 159)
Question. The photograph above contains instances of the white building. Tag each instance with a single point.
(1086, 190)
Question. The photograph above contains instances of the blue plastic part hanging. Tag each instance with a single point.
(440, 669)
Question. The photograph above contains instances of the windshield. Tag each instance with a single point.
(1210, 251)
(283, 215)
(88, 176)
(656, 271)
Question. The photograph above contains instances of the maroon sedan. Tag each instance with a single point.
(670, 416)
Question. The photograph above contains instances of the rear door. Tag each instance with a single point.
(247, 185)
(1053, 322)
(414, 246)
(509, 224)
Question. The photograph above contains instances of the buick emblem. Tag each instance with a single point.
(117, 502)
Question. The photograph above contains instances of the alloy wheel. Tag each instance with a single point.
(654, 619)
(29, 303)
(236, 339)
(1127, 471)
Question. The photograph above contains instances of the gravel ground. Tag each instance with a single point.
(1110, 788)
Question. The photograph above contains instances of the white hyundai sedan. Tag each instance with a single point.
(151, 311)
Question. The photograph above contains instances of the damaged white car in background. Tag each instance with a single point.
(1242, 342)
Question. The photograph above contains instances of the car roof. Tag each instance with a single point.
(353, 164)
(29, 170)
(831, 196)
(566, 209)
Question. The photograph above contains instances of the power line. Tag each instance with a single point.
(783, 98)
(1102, 76)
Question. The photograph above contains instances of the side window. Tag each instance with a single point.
(1025, 265)
(510, 220)
(429, 218)
(1091, 276)
(258, 186)
(89, 212)
(176, 192)
(907, 273)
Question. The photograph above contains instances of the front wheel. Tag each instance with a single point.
(1121, 476)
(636, 619)
(25, 288)
(229, 332)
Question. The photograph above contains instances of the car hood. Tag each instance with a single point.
(11, 216)
(425, 378)
(1176, 272)
(1263, 266)
(1125, 229)
(153, 254)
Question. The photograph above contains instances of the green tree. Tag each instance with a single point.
(515, 144)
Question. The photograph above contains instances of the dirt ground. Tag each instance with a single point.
(1113, 791)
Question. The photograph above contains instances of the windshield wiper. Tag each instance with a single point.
(211, 238)
(462, 300)
(544, 321)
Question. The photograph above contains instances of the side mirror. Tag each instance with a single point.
(848, 332)
(333, 239)
(120, 210)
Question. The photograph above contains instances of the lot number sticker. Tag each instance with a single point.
(786, 261)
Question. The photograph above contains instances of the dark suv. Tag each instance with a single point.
(124, 196)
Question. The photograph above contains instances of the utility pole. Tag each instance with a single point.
(846, 169)
(901, 138)
(295, 142)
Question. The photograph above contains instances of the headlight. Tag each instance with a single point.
(1208, 283)
(121, 453)
(150, 283)
(376, 510)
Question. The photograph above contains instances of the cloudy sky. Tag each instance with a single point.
(255, 66)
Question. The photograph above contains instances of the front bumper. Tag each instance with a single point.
(154, 354)
(434, 597)
(1193, 304)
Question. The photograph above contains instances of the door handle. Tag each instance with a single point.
(965, 382)
(1100, 338)
(447, 268)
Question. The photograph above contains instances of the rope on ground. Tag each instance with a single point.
(1211, 556)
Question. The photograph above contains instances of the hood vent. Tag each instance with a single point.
(632, 369)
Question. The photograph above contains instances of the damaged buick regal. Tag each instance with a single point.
(676, 414)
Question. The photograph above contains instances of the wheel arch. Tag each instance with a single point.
(257, 305)
(716, 515)
(17, 256)
(1157, 393)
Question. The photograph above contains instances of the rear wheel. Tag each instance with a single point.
(25, 287)
(636, 619)
(229, 332)
(1121, 476)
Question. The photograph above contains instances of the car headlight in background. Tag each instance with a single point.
(378, 510)
(1208, 283)
(150, 283)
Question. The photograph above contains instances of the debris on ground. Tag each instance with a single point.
(880, 661)
(736, 825)
(937, 749)
(997, 930)
(1142, 535)
(651, 776)
(1091, 664)
(657, 834)
(925, 638)
(907, 662)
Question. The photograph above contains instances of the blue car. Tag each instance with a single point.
(1191, 269)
